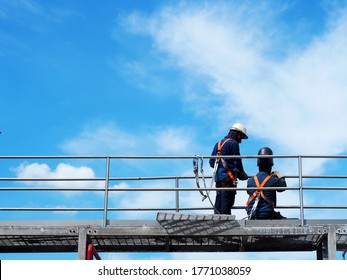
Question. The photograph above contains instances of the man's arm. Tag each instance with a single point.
(281, 180)
(214, 152)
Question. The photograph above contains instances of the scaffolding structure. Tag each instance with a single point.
(176, 228)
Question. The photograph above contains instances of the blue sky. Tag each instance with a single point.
(169, 78)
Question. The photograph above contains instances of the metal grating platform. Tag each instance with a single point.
(172, 232)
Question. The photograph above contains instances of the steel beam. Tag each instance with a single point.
(327, 248)
(82, 244)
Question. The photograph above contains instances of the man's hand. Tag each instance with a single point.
(243, 176)
(276, 174)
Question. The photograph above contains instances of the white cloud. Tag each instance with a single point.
(294, 101)
(108, 139)
(62, 171)
(173, 141)
(22, 5)
(101, 139)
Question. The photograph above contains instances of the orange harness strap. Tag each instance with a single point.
(220, 146)
(259, 192)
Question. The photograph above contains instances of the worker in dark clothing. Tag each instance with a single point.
(228, 170)
(261, 203)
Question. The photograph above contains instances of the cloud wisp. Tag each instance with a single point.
(109, 139)
(294, 101)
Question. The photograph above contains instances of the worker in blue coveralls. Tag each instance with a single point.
(228, 170)
(261, 203)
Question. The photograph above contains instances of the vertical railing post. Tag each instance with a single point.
(107, 177)
(301, 193)
(177, 185)
(82, 243)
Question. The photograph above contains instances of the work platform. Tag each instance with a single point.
(176, 232)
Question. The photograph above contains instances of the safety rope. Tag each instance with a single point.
(196, 172)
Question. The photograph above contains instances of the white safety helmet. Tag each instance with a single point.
(240, 128)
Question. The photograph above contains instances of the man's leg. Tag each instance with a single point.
(217, 204)
(218, 200)
(277, 216)
(228, 200)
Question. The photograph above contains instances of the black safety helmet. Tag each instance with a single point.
(265, 161)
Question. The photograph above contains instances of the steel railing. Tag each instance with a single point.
(20, 184)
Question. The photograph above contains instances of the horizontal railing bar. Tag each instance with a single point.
(139, 189)
(51, 179)
(53, 157)
(12, 209)
(101, 179)
(330, 188)
(51, 189)
(164, 188)
(50, 209)
(325, 207)
(169, 157)
(322, 188)
(155, 178)
(101, 209)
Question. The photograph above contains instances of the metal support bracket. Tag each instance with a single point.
(327, 248)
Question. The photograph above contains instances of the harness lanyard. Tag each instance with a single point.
(257, 193)
(203, 175)
(215, 167)
(196, 172)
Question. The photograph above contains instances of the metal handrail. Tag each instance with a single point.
(107, 189)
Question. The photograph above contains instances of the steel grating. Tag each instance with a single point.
(171, 232)
(37, 243)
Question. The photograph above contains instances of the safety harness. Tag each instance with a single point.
(225, 165)
(215, 168)
(258, 193)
